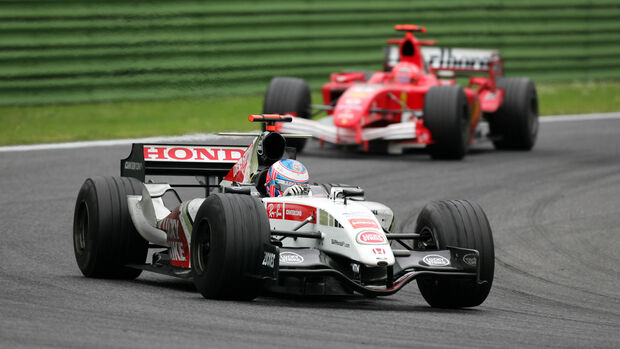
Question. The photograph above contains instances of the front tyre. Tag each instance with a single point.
(457, 223)
(104, 238)
(446, 115)
(515, 124)
(228, 236)
(288, 95)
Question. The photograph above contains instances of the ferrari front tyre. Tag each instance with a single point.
(104, 238)
(456, 223)
(515, 124)
(227, 245)
(446, 115)
(288, 95)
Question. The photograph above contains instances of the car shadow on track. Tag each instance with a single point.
(354, 303)
(171, 284)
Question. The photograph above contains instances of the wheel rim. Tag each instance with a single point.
(203, 246)
(81, 231)
(428, 241)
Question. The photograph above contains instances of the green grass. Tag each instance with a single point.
(61, 123)
(579, 97)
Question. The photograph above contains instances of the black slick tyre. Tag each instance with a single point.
(456, 223)
(227, 242)
(515, 124)
(104, 237)
(288, 95)
(446, 115)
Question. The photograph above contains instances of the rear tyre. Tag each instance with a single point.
(227, 246)
(446, 115)
(288, 95)
(104, 238)
(457, 223)
(515, 124)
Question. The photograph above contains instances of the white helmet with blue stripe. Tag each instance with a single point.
(285, 174)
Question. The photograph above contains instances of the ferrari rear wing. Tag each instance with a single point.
(452, 59)
(462, 59)
(180, 160)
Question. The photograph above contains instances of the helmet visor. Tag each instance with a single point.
(282, 185)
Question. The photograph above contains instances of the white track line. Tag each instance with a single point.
(201, 137)
(580, 117)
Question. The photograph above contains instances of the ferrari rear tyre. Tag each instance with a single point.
(457, 223)
(515, 124)
(288, 95)
(446, 115)
(104, 238)
(227, 242)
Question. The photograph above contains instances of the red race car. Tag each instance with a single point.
(414, 102)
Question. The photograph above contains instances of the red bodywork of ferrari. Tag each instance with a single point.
(389, 105)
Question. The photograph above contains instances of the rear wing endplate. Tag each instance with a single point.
(180, 160)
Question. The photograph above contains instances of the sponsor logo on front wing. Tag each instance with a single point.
(470, 259)
(291, 258)
(435, 260)
(371, 237)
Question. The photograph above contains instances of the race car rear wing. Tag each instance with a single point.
(462, 59)
(180, 160)
(452, 59)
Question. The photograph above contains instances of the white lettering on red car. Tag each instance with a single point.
(274, 211)
(177, 240)
(192, 153)
(371, 237)
(295, 212)
(359, 223)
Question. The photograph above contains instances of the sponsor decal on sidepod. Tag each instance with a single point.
(435, 260)
(275, 211)
(470, 259)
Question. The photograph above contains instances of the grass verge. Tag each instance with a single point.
(63, 123)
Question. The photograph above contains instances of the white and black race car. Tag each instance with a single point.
(236, 242)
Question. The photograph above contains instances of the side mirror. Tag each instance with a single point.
(346, 192)
(349, 192)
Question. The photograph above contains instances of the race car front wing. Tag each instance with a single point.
(326, 131)
(410, 265)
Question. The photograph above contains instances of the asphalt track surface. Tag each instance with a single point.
(555, 214)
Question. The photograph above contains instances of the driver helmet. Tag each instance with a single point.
(405, 72)
(285, 174)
